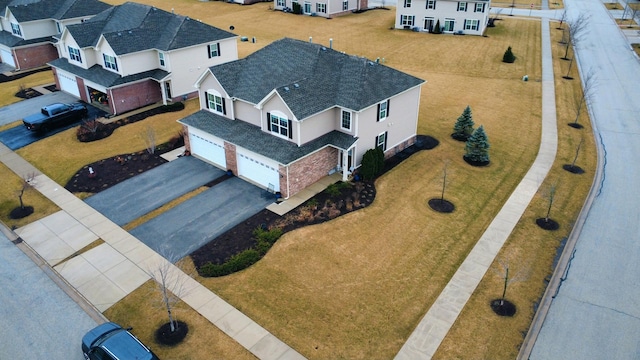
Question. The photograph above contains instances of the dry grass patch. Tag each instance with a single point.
(10, 88)
(636, 48)
(164, 208)
(11, 125)
(612, 6)
(627, 23)
(480, 334)
(11, 185)
(142, 310)
(60, 156)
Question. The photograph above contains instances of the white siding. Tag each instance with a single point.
(444, 9)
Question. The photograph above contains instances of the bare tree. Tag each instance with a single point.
(510, 277)
(550, 195)
(444, 180)
(575, 158)
(562, 18)
(492, 20)
(25, 185)
(586, 94)
(576, 30)
(149, 137)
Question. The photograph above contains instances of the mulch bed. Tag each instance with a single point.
(28, 93)
(503, 307)
(442, 205)
(165, 336)
(547, 224)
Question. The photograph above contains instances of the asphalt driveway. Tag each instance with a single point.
(19, 136)
(148, 191)
(188, 226)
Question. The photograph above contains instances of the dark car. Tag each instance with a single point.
(55, 115)
(111, 341)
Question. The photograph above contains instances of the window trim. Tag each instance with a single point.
(342, 120)
(453, 24)
(161, 59)
(472, 24)
(281, 121)
(381, 141)
(462, 6)
(345, 5)
(109, 64)
(15, 29)
(407, 20)
(431, 4)
(73, 56)
(211, 48)
(481, 5)
(321, 8)
(212, 104)
(407, 3)
(281, 3)
(386, 109)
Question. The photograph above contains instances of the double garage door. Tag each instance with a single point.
(68, 83)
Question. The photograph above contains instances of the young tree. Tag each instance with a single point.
(586, 94)
(575, 158)
(576, 30)
(563, 18)
(149, 137)
(508, 56)
(492, 20)
(551, 196)
(23, 211)
(464, 125)
(509, 278)
(477, 148)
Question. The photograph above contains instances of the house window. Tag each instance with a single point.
(215, 103)
(15, 28)
(279, 125)
(110, 62)
(321, 7)
(429, 23)
(381, 141)
(59, 27)
(345, 5)
(383, 110)
(214, 50)
(161, 59)
(471, 24)
(346, 120)
(431, 4)
(74, 54)
(479, 7)
(281, 3)
(407, 3)
(448, 24)
(407, 20)
(462, 6)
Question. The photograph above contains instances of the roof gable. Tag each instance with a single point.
(311, 78)
(133, 27)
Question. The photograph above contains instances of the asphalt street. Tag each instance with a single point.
(38, 320)
(596, 313)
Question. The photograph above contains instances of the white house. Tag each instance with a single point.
(455, 17)
(322, 8)
(133, 55)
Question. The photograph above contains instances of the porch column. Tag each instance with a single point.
(345, 164)
(163, 89)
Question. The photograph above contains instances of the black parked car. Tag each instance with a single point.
(55, 115)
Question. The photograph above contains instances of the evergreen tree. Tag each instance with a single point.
(372, 163)
(477, 148)
(464, 125)
(508, 56)
(437, 29)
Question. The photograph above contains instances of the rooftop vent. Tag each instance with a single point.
(296, 85)
(323, 48)
(286, 88)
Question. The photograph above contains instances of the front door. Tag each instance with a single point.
(167, 88)
(349, 161)
(428, 24)
(307, 7)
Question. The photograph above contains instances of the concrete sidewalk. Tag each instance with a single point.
(432, 329)
(120, 263)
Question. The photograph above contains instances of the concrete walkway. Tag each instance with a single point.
(427, 337)
(121, 263)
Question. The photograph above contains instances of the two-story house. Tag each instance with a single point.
(28, 28)
(294, 112)
(323, 8)
(457, 17)
(133, 55)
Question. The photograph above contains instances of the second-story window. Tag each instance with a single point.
(431, 4)
(346, 120)
(215, 102)
(383, 110)
(74, 54)
(462, 6)
(161, 59)
(15, 29)
(110, 62)
(479, 7)
(279, 124)
(407, 3)
(214, 50)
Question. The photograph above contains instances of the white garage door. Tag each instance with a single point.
(68, 83)
(258, 169)
(7, 58)
(207, 148)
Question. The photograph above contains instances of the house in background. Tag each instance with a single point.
(294, 112)
(134, 55)
(457, 17)
(28, 28)
(323, 8)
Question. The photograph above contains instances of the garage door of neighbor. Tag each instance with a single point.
(68, 83)
(7, 58)
(208, 148)
(258, 169)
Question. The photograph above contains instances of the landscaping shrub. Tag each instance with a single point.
(477, 148)
(372, 163)
(437, 29)
(464, 126)
(297, 8)
(508, 56)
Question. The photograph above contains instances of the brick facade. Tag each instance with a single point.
(35, 56)
(134, 96)
(310, 169)
(398, 148)
(231, 157)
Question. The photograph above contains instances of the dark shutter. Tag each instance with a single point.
(434, 5)
(388, 106)
(269, 121)
(218, 48)
(206, 99)
(378, 115)
(115, 62)
(385, 141)
(290, 129)
(224, 106)
(209, 51)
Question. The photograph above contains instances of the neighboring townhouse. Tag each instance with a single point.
(133, 55)
(294, 112)
(323, 8)
(28, 28)
(456, 17)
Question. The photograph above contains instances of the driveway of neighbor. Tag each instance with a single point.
(148, 191)
(188, 226)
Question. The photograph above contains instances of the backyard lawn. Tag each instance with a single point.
(356, 287)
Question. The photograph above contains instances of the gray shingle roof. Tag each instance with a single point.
(252, 138)
(11, 41)
(324, 77)
(30, 10)
(133, 27)
(106, 78)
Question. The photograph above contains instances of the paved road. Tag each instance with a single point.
(148, 191)
(596, 314)
(195, 222)
(38, 320)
